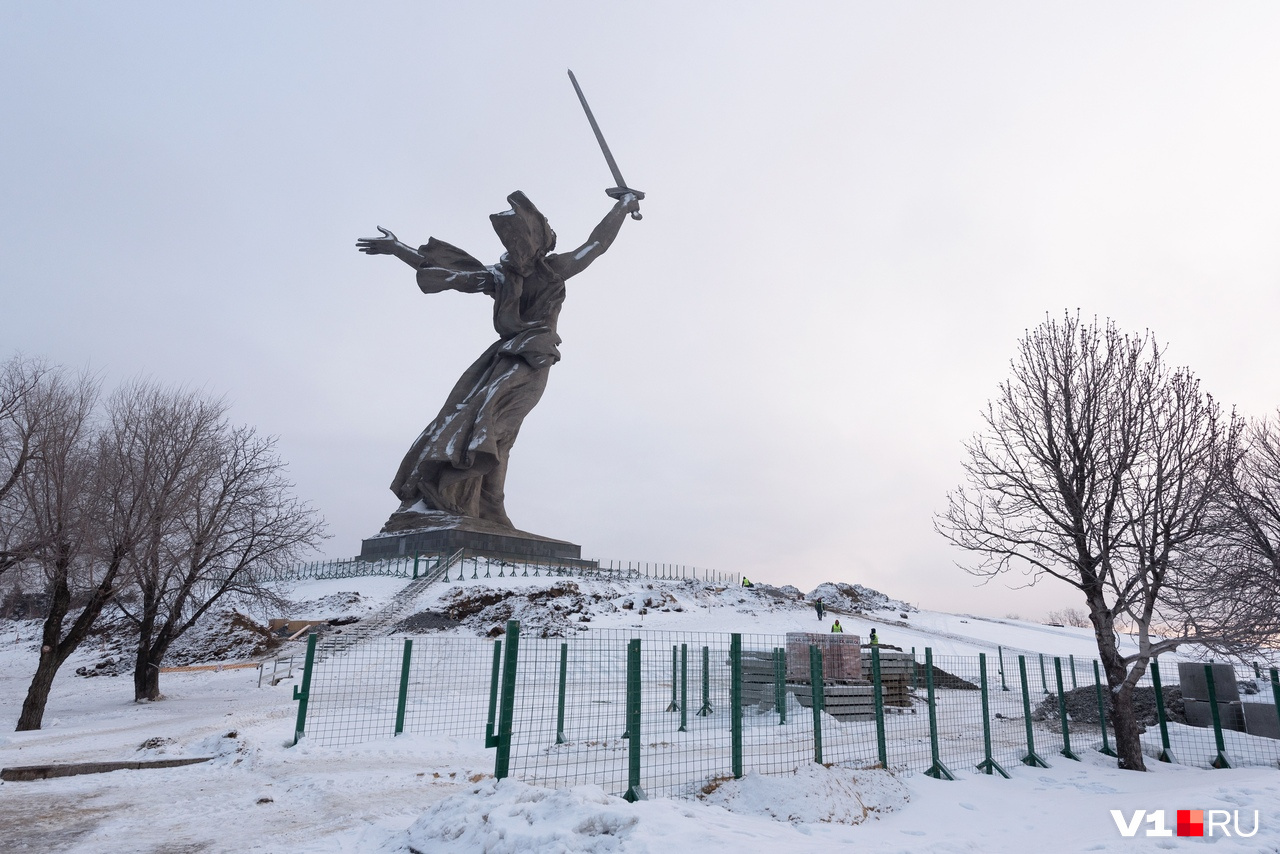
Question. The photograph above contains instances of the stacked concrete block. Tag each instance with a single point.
(758, 680)
(842, 702)
(896, 669)
(1195, 695)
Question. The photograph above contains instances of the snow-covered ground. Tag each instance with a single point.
(437, 794)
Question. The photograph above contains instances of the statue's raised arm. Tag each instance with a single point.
(602, 236)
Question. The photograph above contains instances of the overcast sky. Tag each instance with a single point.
(854, 210)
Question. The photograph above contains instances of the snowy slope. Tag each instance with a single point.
(259, 794)
(693, 606)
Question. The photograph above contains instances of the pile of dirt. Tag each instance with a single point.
(787, 592)
(425, 621)
(551, 612)
(1082, 706)
(222, 636)
(854, 599)
(561, 609)
(943, 679)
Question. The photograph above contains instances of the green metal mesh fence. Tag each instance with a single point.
(916, 713)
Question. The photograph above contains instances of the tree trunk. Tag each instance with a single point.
(146, 672)
(1128, 734)
(146, 678)
(38, 694)
(47, 667)
(1120, 692)
(54, 649)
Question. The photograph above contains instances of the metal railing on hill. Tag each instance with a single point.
(464, 565)
(670, 712)
(400, 567)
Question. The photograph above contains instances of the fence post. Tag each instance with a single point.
(1275, 691)
(816, 698)
(404, 685)
(780, 683)
(305, 694)
(937, 770)
(735, 703)
(705, 709)
(1275, 688)
(1062, 711)
(564, 679)
(684, 687)
(634, 792)
(1044, 680)
(1219, 761)
(914, 674)
(415, 565)
(1166, 755)
(506, 709)
(988, 763)
(1102, 709)
(877, 691)
(490, 735)
(1032, 758)
(1004, 686)
(675, 706)
(1074, 684)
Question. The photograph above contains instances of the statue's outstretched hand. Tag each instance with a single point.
(384, 245)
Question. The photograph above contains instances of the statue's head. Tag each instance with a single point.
(524, 232)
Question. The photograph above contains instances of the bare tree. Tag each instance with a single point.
(58, 490)
(1099, 467)
(222, 516)
(1231, 586)
(26, 387)
(1073, 617)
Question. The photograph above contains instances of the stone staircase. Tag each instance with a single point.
(380, 623)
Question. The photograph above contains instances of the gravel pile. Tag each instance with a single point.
(1082, 706)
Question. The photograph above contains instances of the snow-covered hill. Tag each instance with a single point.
(562, 606)
(424, 793)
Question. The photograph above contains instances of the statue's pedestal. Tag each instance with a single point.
(434, 532)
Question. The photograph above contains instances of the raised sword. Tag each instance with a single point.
(622, 189)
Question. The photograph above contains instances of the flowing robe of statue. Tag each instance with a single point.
(458, 464)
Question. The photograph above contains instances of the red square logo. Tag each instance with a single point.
(1191, 822)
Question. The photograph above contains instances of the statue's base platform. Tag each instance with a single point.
(434, 532)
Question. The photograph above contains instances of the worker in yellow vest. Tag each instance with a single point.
(836, 628)
(875, 640)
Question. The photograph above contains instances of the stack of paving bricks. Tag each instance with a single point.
(846, 695)
(841, 661)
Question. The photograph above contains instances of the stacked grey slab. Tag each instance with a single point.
(759, 681)
(842, 702)
(1254, 718)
